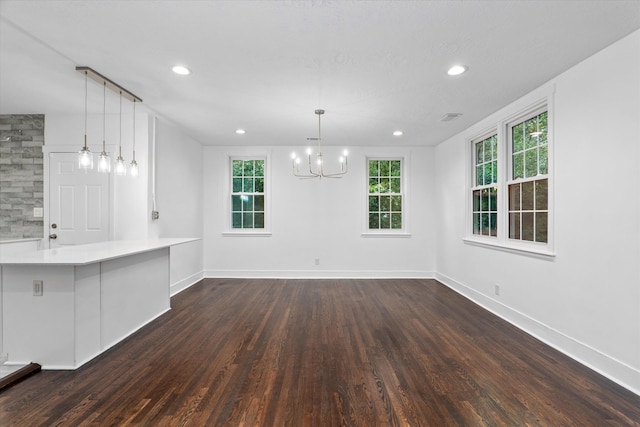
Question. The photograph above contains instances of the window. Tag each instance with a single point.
(509, 186)
(485, 190)
(247, 194)
(385, 194)
(528, 184)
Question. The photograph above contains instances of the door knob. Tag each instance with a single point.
(54, 225)
(53, 236)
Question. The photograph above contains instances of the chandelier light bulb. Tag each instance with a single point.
(309, 151)
(85, 160)
(293, 156)
(104, 165)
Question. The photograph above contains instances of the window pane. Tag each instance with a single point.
(259, 164)
(374, 185)
(542, 192)
(236, 203)
(374, 204)
(247, 203)
(248, 185)
(396, 221)
(531, 163)
(374, 168)
(531, 128)
(487, 150)
(542, 127)
(259, 185)
(395, 168)
(385, 221)
(541, 227)
(385, 203)
(518, 165)
(476, 223)
(259, 203)
(384, 168)
(484, 206)
(236, 220)
(479, 175)
(374, 221)
(543, 162)
(237, 168)
(237, 185)
(247, 220)
(485, 224)
(517, 132)
(476, 200)
(527, 226)
(396, 203)
(479, 153)
(493, 199)
(259, 220)
(248, 167)
(493, 224)
(488, 173)
(527, 196)
(385, 185)
(494, 147)
(494, 171)
(395, 185)
(514, 197)
(514, 226)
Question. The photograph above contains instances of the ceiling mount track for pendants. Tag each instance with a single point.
(96, 76)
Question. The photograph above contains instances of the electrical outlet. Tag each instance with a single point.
(38, 212)
(317, 261)
(496, 290)
(38, 286)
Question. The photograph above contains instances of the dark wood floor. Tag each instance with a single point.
(323, 353)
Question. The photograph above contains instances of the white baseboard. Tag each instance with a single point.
(617, 371)
(185, 283)
(318, 274)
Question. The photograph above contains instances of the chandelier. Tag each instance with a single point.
(316, 168)
(85, 157)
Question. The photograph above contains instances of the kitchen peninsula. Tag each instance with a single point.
(62, 307)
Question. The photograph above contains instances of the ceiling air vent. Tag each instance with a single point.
(449, 117)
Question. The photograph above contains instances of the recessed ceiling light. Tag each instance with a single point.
(398, 133)
(456, 70)
(181, 69)
(240, 131)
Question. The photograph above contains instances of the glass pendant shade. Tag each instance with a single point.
(121, 168)
(85, 159)
(134, 168)
(104, 162)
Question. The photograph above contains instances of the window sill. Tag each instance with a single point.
(521, 250)
(382, 234)
(246, 234)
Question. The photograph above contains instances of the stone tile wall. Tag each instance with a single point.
(21, 175)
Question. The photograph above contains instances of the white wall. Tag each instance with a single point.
(319, 219)
(178, 182)
(585, 301)
(178, 190)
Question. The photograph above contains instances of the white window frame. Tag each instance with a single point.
(244, 232)
(517, 112)
(404, 188)
(493, 131)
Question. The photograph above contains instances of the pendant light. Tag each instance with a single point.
(121, 168)
(316, 169)
(104, 163)
(85, 159)
(134, 164)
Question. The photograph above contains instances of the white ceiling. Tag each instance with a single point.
(265, 66)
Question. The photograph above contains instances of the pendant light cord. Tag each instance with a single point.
(104, 115)
(86, 78)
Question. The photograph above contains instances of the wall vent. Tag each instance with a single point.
(450, 116)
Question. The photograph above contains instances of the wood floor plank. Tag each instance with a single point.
(236, 352)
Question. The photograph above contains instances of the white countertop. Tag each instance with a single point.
(91, 253)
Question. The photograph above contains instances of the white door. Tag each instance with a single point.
(78, 202)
